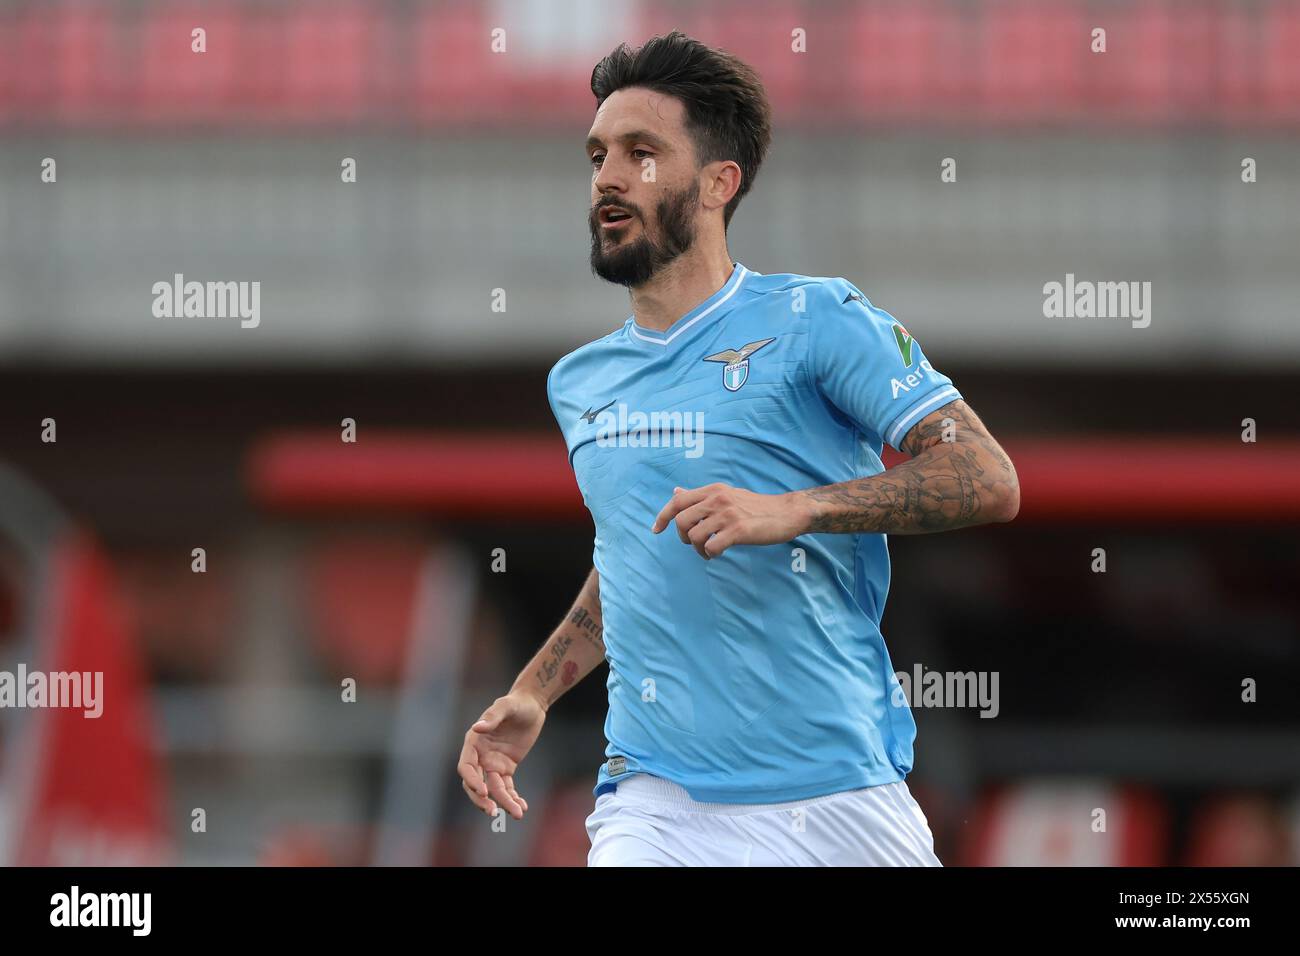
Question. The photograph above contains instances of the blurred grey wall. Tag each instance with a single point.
(402, 264)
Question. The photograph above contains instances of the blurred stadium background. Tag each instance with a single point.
(373, 560)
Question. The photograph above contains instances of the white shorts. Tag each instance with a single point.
(649, 821)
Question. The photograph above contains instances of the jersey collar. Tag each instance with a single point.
(708, 307)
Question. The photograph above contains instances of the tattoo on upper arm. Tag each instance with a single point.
(946, 424)
(956, 470)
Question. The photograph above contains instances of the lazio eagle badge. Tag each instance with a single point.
(735, 363)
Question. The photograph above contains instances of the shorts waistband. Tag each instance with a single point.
(647, 788)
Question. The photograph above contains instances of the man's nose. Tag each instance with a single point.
(609, 179)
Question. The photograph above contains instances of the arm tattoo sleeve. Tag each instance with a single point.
(958, 476)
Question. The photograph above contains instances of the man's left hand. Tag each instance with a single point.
(713, 518)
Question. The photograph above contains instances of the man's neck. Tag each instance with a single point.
(679, 287)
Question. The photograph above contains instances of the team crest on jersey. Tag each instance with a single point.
(735, 363)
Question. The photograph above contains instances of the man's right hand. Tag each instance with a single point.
(494, 746)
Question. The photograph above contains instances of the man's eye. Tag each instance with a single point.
(597, 159)
(642, 152)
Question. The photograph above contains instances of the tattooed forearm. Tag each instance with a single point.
(553, 660)
(958, 477)
(573, 650)
(588, 626)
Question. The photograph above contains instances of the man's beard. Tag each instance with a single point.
(637, 262)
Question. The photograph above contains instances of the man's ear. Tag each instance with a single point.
(721, 183)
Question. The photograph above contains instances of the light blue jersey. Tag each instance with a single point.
(759, 676)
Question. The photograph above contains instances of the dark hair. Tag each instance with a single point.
(727, 113)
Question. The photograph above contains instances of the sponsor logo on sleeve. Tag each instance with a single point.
(904, 342)
(912, 380)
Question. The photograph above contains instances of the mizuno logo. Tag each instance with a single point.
(590, 416)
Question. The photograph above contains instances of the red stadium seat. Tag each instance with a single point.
(1280, 71)
(451, 53)
(1051, 824)
(96, 62)
(1293, 830)
(360, 600)
(1033, 62)
(62, 67)
(1243, 830)
(562, 832)
(328, 50)
(176, 84)
(891, 57)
